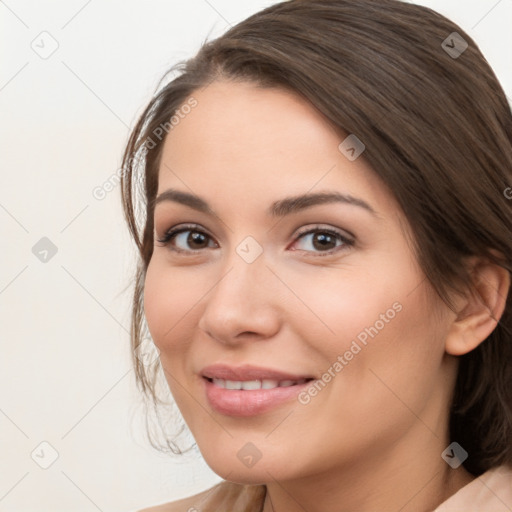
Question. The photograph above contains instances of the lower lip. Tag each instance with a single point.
(249, 402)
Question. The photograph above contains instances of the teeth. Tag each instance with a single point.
(269, 384)
(233, 384)
(255, 384)
(251, 384)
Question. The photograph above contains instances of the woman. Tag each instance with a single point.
(325, 257)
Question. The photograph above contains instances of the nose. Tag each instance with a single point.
(244, 303)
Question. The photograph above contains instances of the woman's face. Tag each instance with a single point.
(295, 288)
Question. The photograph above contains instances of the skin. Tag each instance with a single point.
(372, 438)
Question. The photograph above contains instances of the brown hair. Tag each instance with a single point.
(437, 129)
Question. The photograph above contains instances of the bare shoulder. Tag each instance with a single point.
(223, 496)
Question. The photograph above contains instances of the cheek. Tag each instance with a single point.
(169, 299)
(336, 305)
(400, 361)
(380, 318)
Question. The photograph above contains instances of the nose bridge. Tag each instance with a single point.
(244, 298)
(245, 270)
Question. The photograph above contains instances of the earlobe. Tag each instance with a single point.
(481, 310)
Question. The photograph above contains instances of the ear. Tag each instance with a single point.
(479, 311)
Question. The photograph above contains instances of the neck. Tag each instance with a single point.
(413, 481)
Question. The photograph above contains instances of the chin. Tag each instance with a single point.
(232, 468)
(256, 475)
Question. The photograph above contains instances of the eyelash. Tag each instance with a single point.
(172, 233)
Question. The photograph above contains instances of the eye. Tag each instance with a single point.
(325, 241)
(186, 239)
(191, 239)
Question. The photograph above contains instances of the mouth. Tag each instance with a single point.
(250, 373)
(250, 390)
(249, 385)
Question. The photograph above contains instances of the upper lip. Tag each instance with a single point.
(248, 372)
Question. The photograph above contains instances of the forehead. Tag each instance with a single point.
(261, 143)
(263, 119)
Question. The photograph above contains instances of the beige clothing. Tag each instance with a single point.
(490, 492)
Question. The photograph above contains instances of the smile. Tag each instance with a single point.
(255, 384)
(251, 397)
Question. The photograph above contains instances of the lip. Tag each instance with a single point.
(249, 402)
(244, 403)
(248, 372)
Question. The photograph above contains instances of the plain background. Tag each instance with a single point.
(65, 371)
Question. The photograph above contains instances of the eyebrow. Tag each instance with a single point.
(280, 208)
